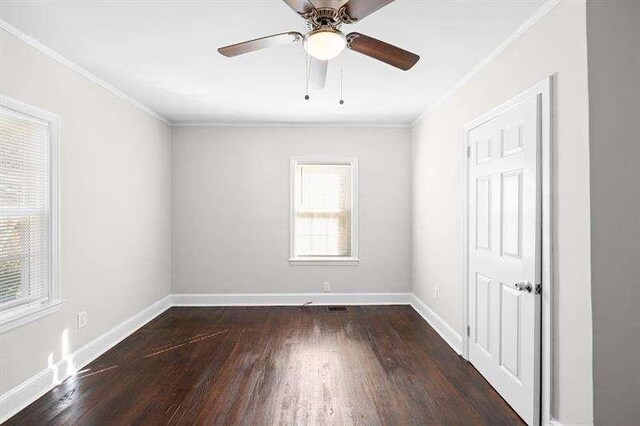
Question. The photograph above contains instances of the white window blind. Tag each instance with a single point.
(323, 210)
(26, 221)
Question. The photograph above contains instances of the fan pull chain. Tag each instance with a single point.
(307, 69)
(341, 86)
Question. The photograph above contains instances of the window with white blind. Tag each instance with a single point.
(29, 287)
(324, 211)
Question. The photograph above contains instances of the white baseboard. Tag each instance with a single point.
(33, 388)
(25, 393)
(291, 299)
(452, 337)
(554, 422)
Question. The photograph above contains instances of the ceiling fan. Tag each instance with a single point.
(325, 41)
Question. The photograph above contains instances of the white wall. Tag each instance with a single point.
(613, 34)
(231, 210)
(115, 162)
(554, 45)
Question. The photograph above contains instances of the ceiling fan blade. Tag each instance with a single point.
(318, 73)
(260, 43)
(382, 51)
(301, 7)
(360, 9)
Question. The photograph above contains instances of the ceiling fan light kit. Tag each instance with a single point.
(325, 41)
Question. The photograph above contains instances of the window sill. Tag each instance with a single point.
(20, 316)
(321, 261)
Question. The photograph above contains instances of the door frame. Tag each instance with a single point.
(544, 89)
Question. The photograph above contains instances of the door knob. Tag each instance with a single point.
(524, 286)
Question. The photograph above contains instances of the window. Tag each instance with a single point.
(324, 211)
(29, 287)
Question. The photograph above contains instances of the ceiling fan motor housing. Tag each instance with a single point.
(325, 16)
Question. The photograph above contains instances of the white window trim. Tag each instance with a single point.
(354, 259)
(23, 314)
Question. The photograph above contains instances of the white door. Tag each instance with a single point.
(504, 254)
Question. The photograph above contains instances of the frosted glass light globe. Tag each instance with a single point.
(325, 43)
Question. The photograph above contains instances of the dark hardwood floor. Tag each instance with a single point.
(276, 365)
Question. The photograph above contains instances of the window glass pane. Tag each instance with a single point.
(24, 209)
(323, 210)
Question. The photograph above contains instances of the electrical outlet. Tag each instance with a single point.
(327, 287)
(436, 293)
(82, 319)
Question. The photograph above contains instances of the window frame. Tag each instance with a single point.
(354, 259)
(16, 316)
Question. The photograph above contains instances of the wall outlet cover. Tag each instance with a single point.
(82, 319)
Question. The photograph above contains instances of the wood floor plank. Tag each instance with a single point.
(276, 365)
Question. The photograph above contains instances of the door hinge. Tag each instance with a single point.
(468, 330)
(469, 152)
(538, 288)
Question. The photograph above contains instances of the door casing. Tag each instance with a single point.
(545, 90)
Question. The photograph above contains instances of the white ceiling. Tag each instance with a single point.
(163, 53)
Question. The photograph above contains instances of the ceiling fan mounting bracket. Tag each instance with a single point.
(307, 16)
(351, 37)
(344, 16)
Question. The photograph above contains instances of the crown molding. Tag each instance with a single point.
(533, 19)
(340, 125)
(77, 68)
